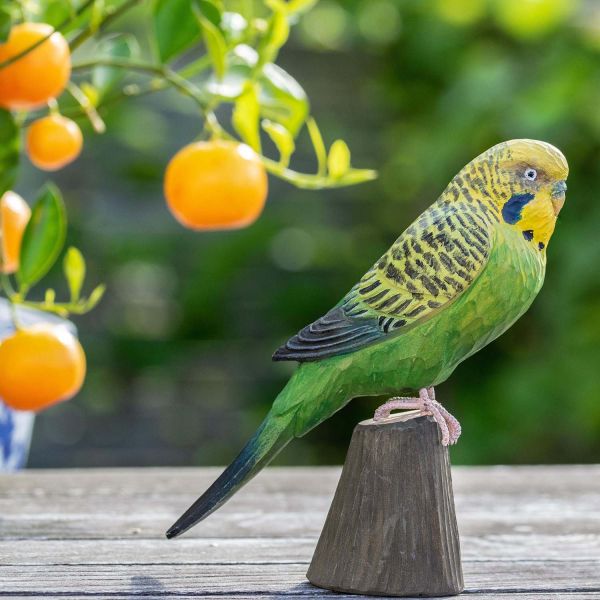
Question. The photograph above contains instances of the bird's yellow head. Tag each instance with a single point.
(525, 181)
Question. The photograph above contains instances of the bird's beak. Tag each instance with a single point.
(558, 196)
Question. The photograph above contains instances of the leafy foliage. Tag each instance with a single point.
(9, 150)
(180, 360)
(42, 243)
(43, 238)
(105, 78)
(237, 68)
(241, 50)
(74, 268)
(176, 27)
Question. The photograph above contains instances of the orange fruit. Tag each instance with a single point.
(39, 366)
(53, 142)
(14, 216)
(39, 75)
(216, 185)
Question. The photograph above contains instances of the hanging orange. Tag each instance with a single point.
(14, 216)
(39, 366)
(53, 142)
(41, 74)
(216, 185)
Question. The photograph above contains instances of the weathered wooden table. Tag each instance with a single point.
(530, 532)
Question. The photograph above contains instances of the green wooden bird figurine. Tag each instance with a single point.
(456, 279)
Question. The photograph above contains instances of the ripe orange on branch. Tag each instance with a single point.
(40, 366)
(216, 185)
(53, 142)
(14, 216)
(30, 81)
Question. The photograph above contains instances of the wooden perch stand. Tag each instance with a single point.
(391, 529)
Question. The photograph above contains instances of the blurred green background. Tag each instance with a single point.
(179, 350)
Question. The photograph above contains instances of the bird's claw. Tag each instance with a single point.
(426, 404)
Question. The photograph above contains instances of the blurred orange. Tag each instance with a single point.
(14, 216)
(38, 76)
(53, 142)
(39, 366)
(216, 185)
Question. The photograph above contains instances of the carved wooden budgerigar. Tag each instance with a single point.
(455, 280)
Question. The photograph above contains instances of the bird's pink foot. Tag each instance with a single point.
(426, 404)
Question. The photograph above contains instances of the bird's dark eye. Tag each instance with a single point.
(530, 174)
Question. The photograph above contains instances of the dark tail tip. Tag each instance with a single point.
(212, 499)
(256, 454)
(233, 477)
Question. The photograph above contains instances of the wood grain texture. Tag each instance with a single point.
(391, 529)
(266, 578)
(527, 533)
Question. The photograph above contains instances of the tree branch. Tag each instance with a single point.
(111, 15)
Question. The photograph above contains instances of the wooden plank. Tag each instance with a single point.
(315, 596)
(513, 547)
(527, 533)
(280, 502)
(337, 596)
(175, 579)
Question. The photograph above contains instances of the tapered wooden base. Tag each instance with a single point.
(391, 529)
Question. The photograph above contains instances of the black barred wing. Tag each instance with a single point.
(436, 259)
(334, 333)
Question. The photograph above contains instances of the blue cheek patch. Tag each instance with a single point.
(511, 211)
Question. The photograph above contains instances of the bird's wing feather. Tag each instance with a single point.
(430, 265)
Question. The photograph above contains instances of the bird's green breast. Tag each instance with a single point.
(428, 353)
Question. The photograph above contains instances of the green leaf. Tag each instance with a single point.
(246, 114)
(354, 176)
(95, 297)
(115, 46)
(9, 150)
(6, 19)
(176, 27)
(209, 10)
(74, 268)
(282, 99)
(239, 68)
(277, 32)
(338, 160)
(97, 14)
(318, 145)
(49, 297)
(43, 238)
(297, 7)
(54, 12)
(282, 138)
(213, 38)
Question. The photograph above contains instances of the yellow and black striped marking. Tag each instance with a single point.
(439, 256)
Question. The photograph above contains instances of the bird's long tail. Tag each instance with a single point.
(272, 435)
(286, 420)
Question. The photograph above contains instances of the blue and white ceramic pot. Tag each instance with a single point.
(16, 426)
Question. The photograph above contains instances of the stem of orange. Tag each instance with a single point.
(87, 107)
(8, 290)
(168, 75)
(53, 107)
